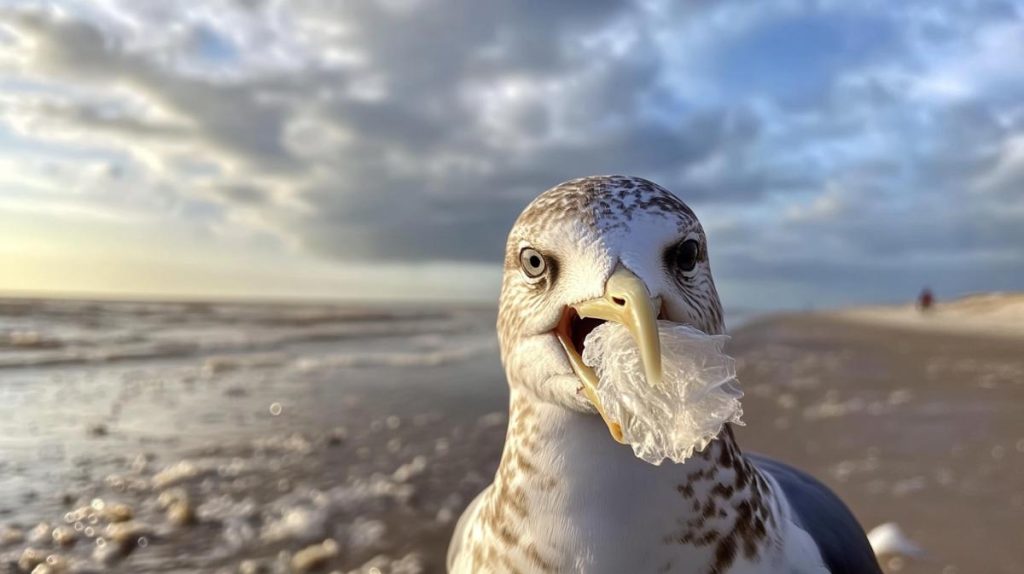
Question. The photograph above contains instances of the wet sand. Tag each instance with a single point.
(213, 475)
(922, 429)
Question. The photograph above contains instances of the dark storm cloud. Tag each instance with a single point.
(427, 58)
(388, 216)
(416, 131)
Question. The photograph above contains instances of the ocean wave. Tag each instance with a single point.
(424, 358)
(28, 339)
(54, 333)
(73, 356)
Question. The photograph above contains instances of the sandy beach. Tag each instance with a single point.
(924, 429)
(353, 447)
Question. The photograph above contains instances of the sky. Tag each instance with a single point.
(836, 152)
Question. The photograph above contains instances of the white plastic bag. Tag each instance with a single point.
(698, 394)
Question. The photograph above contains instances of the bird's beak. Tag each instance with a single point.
(627, 301)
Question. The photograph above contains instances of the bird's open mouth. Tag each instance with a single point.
(574, 329)
(628, 302)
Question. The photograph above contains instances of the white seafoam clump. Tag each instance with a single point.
(697, 396)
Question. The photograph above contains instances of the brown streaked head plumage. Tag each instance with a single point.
(584, 228)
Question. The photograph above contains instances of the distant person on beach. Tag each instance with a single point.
(925, 300)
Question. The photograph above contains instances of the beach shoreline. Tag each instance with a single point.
(274, 454)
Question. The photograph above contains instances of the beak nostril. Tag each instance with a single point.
(619, 301)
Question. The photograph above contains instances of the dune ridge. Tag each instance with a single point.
(991, 314)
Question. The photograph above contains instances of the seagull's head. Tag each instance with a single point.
(596, 249)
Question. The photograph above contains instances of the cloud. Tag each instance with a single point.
(1006, 176)
(833, 139)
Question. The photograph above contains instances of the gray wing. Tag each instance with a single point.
(455, 546)
(840, 538)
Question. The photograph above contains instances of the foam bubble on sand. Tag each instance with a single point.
(411, 469)
(698, 394)
(179, 472)
(30, 558)
(302, 523)
(411, 563)
(366, 534)
(373, 492)
(296, 443)
(305, 513)
(225, 507)
(889, 539)
(314, 557)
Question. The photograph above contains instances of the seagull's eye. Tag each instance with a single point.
(684, 255)
(533, 263)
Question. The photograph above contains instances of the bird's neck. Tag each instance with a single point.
(562, 471)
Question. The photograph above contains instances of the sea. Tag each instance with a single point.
(184, 436)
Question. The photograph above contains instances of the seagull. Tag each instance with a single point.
(568, 496)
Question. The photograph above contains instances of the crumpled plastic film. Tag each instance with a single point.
(698, 394)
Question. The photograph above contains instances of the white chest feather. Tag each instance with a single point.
(568, 499)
